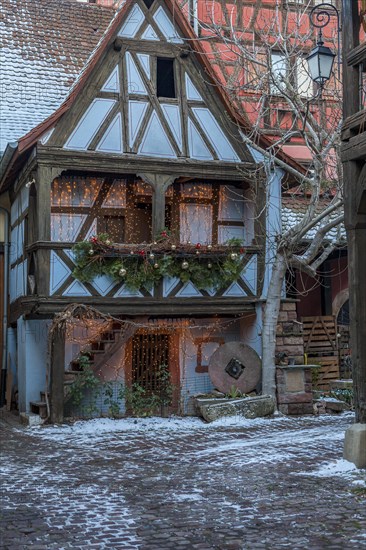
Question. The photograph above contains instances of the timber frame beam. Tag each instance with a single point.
(130, 163)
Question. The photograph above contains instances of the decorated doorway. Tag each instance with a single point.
(154, 369)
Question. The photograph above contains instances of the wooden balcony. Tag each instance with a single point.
(168, 297)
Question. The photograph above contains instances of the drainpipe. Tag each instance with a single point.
(5, 312)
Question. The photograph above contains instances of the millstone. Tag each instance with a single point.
(235, 364)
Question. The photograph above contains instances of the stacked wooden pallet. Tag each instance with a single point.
(321, 347)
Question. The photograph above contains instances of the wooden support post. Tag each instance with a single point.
(357, 296)
(355, 221)
(160, 183)
(57, 377)
(42, 232)
(350, 40)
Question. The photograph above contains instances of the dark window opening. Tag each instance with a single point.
(148, 3)
(165, 77)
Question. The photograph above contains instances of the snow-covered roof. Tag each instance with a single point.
(44, 45)
(293, 210)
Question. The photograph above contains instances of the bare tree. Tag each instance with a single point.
(261, 66)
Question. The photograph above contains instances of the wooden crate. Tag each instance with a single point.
(328, 371)
(320, 336)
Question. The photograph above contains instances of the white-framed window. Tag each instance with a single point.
(279, 71)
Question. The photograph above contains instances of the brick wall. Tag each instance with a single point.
(289, 337)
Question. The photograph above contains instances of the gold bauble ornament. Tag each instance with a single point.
(233, 255)
(156, 266)
(122, 272)
(185, 265)
(209, 266)
(108, 242)
(91, 252)
(152, 256)
(173, 247)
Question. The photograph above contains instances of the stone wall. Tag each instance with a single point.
(289, 338)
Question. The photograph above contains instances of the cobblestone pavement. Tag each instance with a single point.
(180, 484)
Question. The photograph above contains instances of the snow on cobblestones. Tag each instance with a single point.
(153, 483)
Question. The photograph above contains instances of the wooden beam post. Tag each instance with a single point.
(57, 370)
(350, 40)
(42, 231)
(159, 183)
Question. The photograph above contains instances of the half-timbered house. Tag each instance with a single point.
(142, 162)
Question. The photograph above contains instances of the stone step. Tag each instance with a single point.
(30, 419)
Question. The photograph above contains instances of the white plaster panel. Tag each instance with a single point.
(188, 290)
(166, 26)
(124, 292)
(135, 84)
(221, 144)
(16, 242)
(197, 147)
(18, 282)
(89, 124)
(76, 289)
(136, 112)
(132, 23)
(145, 62)
(15, 210)
(13, 283)
(111, 142)
(103, 284)
(13, 253)
(24, 198)
(59, 272)
(112, 82)
(149, 34)
(168, 284)
(234, 290)
(191, 90)
(172, 115)
(155, 142)
(249, 274)
(46, 136)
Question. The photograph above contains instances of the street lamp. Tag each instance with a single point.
(321, 58)
(320, 61)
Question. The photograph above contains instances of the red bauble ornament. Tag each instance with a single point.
(198, 245)
(164, 234)
(93, 240)
(142, 252)
(242, 250)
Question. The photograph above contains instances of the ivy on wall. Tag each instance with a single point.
(141, 266)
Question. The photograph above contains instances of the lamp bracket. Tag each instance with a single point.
(320, 17)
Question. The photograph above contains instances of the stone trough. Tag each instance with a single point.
(248, 407)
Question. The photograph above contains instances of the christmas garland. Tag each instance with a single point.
(142, 266)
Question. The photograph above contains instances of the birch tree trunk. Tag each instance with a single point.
(270, 317)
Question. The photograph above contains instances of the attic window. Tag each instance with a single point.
(148, 3)
(165, 77)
